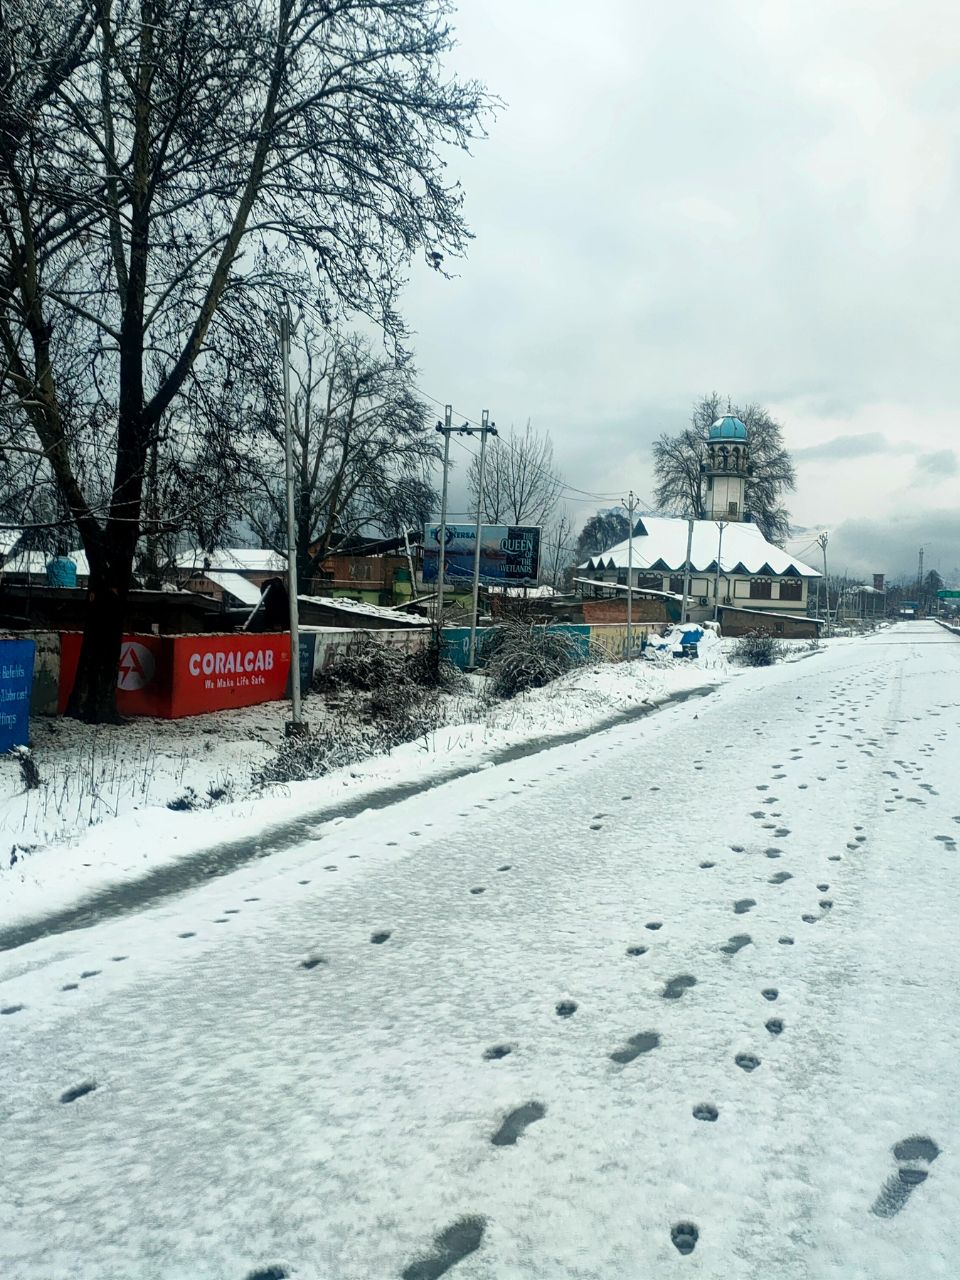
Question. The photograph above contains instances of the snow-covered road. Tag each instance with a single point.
(692, 982)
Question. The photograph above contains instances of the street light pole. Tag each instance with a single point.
(441, 549)
(686, 572)
(487, 429)
(721, 525)
(296, 723)
(631, 505)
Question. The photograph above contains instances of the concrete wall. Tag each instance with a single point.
(611, 638)
(46, 673)
(329, 642)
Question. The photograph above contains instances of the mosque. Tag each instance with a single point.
(735, 573)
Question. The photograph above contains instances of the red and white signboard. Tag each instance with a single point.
(174, 676)
(213, 672)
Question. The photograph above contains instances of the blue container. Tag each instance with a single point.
(61, 572)
(16, 682)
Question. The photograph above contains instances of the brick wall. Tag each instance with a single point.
(616, 610)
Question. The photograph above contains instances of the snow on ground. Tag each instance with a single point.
(106, 790)
(695, 977)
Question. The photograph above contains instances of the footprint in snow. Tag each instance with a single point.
(268, 1273)
(78, 1091)
(642, 1042)
(496, 1052)
(675, 987)
(743, 905)
(451, 1246)
(914, 1156)
(516, 1122)
(684, 1236)
(705, 1111)
(736, 943)
(566, 1008)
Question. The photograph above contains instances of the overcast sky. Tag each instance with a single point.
(749, 196)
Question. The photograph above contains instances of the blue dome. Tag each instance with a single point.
(728, 428)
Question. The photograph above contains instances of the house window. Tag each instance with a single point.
(359, 572)
(760, 589)
(621, 577)
(791, 589)
(652, 581)
(676, 585)
(732, 509)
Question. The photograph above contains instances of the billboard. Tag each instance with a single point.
(174, 676)
(508, 553)
(16, 679)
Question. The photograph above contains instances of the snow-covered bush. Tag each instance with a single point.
(521, 655)
(367, 665)
(757, 649)
(427, 666)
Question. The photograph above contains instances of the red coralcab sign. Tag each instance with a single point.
(175, 676)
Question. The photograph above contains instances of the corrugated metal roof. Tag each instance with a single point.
(234, 560)
(234, 583)
(35, 563)
(662, 540)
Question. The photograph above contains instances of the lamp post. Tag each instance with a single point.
(487, 429)
(296, 724)
(721, 525)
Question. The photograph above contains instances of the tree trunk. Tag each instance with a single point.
(93, 697)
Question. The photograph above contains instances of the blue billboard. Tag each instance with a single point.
(16, 681)
(508, 553)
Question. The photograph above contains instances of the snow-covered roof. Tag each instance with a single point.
(236, 584)
(660, 543)
(8, 540)
(234, 560)
(622, 586)
(362, 609)
(543, 592)
(35, 562)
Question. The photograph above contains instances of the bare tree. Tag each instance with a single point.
(169, 166)
(361, 447)
(678, 463)
(557, 551)
(519, 482)
(601, 532)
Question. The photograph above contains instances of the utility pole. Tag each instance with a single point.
(822, 542)
(631, 506)
(920, 574)
(686, 572)
(295, 725)
(721, 525)
(446, 428)
(487, 429)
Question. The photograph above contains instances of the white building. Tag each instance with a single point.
(732, 565)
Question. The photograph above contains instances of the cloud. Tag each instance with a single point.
(758, 201)
(940, 463)
(891, 546)
(856, 446)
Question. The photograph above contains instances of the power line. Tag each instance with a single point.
(569, 489)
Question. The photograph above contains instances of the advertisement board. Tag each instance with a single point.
(508, 553)
(16, 679)
(174, 676)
